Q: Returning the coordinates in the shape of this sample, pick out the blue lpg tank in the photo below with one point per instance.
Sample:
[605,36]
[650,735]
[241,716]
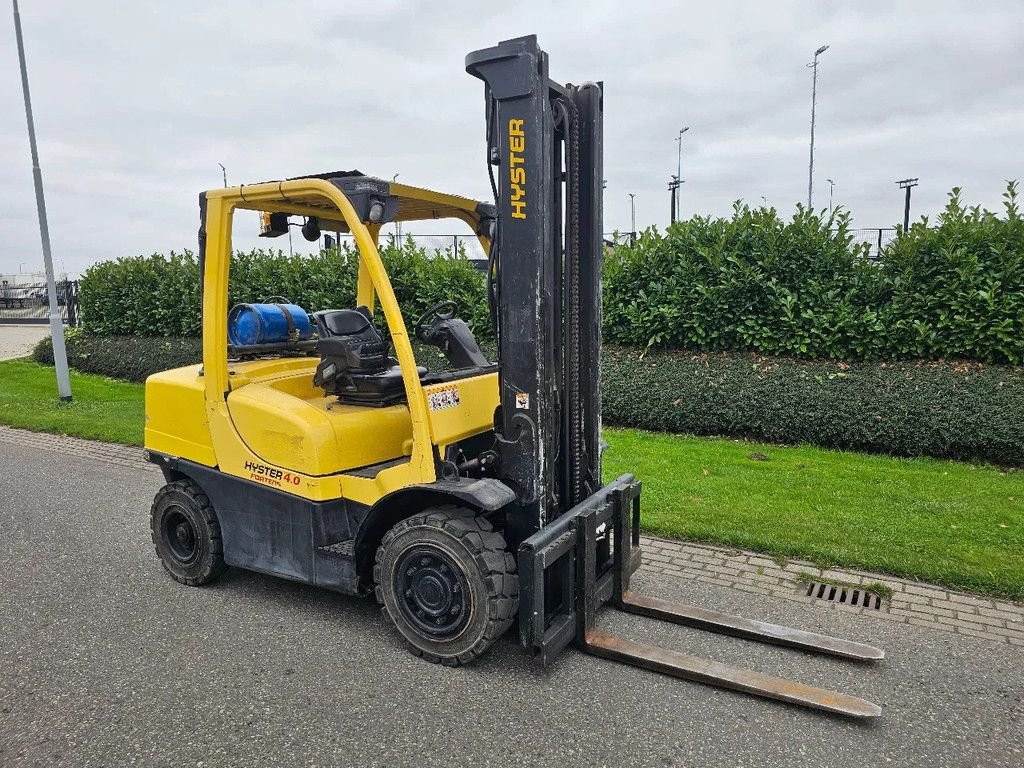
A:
[252,324]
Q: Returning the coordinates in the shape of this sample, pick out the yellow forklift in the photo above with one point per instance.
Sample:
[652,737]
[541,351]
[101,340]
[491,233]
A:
[313,447]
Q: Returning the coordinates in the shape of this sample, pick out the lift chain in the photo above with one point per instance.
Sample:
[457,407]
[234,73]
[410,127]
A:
[575,426]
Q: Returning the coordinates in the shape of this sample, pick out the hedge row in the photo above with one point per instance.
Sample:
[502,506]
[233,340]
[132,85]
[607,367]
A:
[951,410]
[131,358]
[159,296]
[963,411]
[750,282]
[754,282]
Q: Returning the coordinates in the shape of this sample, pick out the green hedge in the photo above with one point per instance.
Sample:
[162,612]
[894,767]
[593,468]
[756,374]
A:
[962,411]
[956,290]
[752,281]
[159,296]
[749,282]
[131,358]
[755,282]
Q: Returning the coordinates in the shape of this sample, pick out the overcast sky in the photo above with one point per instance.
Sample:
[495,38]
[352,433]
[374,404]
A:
[137,102]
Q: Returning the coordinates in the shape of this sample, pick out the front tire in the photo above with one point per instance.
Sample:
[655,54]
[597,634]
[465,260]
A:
[447,583]
[186,533]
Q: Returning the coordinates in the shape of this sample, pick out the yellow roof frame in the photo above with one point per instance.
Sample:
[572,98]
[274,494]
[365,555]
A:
[415,203]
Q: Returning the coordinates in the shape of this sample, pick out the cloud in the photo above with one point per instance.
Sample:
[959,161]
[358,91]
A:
[137,103]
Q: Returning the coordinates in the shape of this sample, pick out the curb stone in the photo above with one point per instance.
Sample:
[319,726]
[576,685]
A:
[1000,621]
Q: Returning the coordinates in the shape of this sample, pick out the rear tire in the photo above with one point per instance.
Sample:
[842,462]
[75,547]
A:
[447,583]
[186,533]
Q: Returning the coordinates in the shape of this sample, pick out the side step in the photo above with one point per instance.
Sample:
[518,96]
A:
[585,558]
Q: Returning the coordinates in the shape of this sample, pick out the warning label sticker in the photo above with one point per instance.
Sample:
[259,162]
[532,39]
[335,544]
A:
[522,401]
[443,397]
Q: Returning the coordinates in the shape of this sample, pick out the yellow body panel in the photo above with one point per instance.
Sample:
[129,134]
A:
[234,457]
[176,421]
[477,398]
[263,369]
[289,424]
[368,490]
[263,420]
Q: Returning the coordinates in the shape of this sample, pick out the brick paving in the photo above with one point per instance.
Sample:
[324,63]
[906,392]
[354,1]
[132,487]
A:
[911,602]
[1000,621]
[110,453]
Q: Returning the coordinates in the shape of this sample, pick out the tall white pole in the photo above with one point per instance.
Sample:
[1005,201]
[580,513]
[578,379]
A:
[679,171]
[632,216]
[814,97]
[60,355]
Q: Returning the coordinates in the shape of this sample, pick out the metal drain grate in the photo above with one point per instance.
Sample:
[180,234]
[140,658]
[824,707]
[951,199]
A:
[835,593]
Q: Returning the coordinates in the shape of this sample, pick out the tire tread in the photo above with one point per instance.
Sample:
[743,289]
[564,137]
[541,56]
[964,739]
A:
[201,503]
[496,565]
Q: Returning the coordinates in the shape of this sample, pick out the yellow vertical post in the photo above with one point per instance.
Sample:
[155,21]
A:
[216,268]
[365,294]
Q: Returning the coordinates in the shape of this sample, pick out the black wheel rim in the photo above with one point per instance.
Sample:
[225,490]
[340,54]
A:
[432,592]
[181,536]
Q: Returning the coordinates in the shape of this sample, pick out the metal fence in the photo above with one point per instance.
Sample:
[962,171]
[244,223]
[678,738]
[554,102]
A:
[467,244]
[876,238]
[27,302]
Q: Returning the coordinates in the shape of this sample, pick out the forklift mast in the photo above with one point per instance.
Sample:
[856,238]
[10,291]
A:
[578,540]
[544,151]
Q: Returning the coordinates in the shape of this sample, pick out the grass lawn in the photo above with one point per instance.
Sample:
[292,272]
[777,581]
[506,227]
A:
[956,524]
[102,409]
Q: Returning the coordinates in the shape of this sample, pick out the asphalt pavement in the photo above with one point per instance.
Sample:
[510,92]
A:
[105,661]
[18,340]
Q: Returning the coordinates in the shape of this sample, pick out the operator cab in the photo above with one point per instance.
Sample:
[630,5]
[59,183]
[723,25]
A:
[354,361]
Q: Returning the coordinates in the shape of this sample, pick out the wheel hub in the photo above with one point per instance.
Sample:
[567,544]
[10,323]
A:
[432,592]
[181,536]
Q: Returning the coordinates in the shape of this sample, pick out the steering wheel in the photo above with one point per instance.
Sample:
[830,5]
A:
[444,310]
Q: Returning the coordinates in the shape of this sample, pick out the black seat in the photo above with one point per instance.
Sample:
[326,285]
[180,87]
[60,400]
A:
[354,362]
[343,322]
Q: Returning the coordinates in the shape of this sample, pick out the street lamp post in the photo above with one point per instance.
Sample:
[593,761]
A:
[60,357]
[679,172]
[831,186]
[632,213]
[814,97]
